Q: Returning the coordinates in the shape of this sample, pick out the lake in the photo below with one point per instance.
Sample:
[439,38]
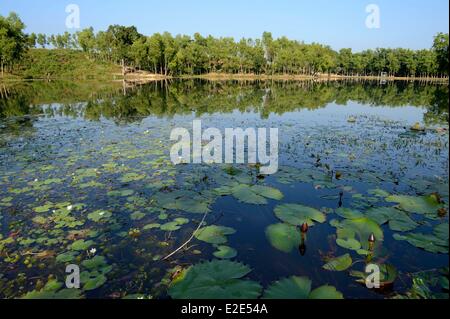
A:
[87,180]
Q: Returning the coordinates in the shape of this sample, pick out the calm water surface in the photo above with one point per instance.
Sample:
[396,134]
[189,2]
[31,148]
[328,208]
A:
[86,179]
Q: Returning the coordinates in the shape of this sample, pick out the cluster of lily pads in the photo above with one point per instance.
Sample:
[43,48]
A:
[107,198]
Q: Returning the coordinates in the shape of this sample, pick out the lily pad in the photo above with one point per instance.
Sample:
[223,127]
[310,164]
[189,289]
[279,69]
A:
[426,205]
[348,213]
[434,243]
[99,215]
[215,280]
[283,237]
[297,215]
[300,288]
[340,263]
[82,244]
[225,252]
[214,234]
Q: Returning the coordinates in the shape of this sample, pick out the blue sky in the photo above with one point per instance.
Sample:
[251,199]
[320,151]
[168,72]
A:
[339,23]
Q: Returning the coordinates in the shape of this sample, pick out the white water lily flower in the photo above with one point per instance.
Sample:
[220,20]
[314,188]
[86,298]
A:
[70,207]
[35,179]
[92,251]
[101,213]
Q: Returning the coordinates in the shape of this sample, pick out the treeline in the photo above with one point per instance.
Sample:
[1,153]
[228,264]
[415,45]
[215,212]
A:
[185,55]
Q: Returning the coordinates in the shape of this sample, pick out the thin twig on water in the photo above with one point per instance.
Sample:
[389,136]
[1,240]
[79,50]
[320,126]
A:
[189,240]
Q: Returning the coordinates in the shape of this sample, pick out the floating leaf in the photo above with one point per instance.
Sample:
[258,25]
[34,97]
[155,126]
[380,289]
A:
[225,252]
[214,234]
[82,244]
[152,226]
[215,280]
[297,215]
[435,243]
[398,219]
[137,216]
[427,205]
[99,215]
[283,237]
[299,288]
[348,213]
[339,263]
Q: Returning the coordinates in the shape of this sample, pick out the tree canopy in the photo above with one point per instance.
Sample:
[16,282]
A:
[178,55]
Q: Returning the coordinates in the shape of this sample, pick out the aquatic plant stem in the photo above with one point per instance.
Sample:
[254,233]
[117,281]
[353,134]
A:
[189,240]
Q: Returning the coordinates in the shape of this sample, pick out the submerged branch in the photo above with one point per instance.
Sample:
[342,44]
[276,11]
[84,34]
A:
[189,240]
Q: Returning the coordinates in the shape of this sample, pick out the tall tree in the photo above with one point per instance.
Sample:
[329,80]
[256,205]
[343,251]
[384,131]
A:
[440,47]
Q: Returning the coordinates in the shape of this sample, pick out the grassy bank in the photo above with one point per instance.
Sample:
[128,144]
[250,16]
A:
[62,64]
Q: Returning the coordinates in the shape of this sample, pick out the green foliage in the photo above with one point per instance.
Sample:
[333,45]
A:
[283,237]
[300,288]
[215,280]
[214,234]
[296,215]
[340,263]
[186,55]
[64,64]
[13,42]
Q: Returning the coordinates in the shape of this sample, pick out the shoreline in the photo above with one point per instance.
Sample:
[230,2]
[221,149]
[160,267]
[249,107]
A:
[143,77]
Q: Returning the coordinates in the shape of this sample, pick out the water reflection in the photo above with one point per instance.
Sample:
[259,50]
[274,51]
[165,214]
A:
[93,101]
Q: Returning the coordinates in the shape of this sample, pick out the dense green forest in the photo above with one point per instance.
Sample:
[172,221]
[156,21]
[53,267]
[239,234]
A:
[185,55]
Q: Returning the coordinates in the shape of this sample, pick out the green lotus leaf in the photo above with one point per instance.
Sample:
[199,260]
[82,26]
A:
[137,216]
[283,237]
[53,293]
[268,192]
[434,243]
[402,222]
[427,205]
[289,288]
[44,208]
[99,215]
[181,221]
[214,234]
[398,219]
[215,280]
[152,226]
[245,194]
[39,220]
[363,228]
[92,280]
[225,252]
[299,288]
[348,213]
[131,177]
[81,244]
[94,263]
[378,192]
[297,215]
[349,243]
[183,200]
[326,292]
[340,263]
[66,257]
[172,226]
